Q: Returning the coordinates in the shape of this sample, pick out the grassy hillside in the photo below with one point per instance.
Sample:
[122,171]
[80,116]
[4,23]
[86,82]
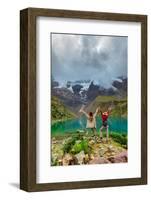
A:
[59,111]
[119,105]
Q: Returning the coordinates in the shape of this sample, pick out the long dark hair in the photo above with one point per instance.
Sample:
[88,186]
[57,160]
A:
[90,116]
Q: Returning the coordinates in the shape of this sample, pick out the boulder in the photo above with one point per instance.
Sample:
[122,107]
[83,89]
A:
[101,151]
[86,159]
[120,158]
[99,160]
[67,159]
[80,157]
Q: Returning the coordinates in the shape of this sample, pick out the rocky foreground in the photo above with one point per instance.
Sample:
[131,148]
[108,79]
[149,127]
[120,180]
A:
[79,149]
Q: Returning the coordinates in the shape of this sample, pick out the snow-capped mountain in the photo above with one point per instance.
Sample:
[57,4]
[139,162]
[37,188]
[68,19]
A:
[74,93]
[83,83]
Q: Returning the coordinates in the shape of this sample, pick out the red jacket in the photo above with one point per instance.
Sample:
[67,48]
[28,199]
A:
[105,116]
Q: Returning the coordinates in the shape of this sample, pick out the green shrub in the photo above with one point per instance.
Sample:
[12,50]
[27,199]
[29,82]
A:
[81,146]
[85,146]
[69,144]
[76,148]
[75,145]
[120,138]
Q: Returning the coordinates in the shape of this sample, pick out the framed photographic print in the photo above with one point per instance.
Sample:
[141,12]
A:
[83,99]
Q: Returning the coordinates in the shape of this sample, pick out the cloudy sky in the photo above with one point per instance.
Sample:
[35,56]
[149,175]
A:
[86,57]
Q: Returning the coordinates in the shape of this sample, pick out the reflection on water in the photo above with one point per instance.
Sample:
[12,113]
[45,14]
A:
[71,126]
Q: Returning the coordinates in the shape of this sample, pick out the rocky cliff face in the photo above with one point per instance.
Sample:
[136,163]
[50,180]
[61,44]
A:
[93,91]
[121,86]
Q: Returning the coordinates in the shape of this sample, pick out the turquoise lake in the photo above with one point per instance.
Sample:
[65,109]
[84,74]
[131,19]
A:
[70,126]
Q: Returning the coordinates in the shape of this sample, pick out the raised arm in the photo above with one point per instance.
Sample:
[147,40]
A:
[82,111]
[100,111]
[96,112]
[109,110]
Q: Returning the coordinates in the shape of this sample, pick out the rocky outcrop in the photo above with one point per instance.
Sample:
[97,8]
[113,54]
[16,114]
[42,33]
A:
[120,158]
[121,86]
[93,91]
[99,160]
[80,157]
[79,150]
[69,159]
[54,84]
[76,89]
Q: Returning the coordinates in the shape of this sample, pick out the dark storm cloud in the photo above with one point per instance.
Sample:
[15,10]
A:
[83,57]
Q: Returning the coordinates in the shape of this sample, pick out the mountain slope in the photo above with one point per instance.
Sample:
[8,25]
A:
[59,111]
[119,106]
[75,93]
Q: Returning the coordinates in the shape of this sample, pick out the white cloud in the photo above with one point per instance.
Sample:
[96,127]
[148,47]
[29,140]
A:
[83,57]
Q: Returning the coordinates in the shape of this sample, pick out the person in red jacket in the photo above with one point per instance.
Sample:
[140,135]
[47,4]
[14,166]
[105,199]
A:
[104,117]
